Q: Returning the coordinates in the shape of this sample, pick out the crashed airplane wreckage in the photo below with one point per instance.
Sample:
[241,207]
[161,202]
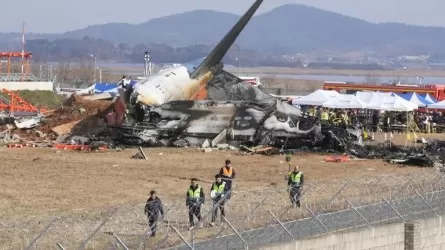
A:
[237,113]
[189,104]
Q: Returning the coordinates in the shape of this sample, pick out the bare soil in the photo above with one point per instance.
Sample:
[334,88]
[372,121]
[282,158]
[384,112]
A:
[41,181]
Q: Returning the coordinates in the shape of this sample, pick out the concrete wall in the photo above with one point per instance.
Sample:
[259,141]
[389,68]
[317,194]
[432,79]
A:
[27,85]
[426,234]
[429,234]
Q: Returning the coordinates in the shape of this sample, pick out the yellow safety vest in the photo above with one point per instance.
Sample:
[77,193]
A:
[324,116]
[296,178]
[219,189]
[311,112]
[195,194]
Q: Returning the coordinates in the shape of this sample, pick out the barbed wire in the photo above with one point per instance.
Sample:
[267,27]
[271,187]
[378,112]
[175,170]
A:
[252,217]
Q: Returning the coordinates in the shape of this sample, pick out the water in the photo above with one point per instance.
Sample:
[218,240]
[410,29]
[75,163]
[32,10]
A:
[360,79]
[137,68]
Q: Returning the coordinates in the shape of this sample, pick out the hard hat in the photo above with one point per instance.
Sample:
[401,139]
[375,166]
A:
[212,194]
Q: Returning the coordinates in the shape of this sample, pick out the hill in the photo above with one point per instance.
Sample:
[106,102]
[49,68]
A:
[288,28]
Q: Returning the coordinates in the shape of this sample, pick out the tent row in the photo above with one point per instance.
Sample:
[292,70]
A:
[368,100]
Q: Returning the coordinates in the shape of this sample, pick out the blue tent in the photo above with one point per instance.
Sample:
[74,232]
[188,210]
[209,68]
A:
[105,87]
[415,98]
[429,98]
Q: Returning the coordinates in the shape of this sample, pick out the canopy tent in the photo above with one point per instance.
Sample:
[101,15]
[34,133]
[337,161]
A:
[374,98]
[391,103]
[415,98]
[105,87]
[367,96]
[317,98]
[345,102]
[438,105]
[429,98]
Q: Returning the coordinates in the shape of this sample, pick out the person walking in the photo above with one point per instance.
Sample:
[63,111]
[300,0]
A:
[295,183]
[153,208]
[217,193]
[228,174]
[194,199]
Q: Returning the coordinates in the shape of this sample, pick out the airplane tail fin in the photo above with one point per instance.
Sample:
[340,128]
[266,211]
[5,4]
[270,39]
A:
[223,46]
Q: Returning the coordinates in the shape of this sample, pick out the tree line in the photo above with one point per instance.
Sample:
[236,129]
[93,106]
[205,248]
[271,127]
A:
[79,50]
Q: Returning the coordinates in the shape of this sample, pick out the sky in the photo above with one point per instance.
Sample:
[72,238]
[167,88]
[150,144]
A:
[56,16]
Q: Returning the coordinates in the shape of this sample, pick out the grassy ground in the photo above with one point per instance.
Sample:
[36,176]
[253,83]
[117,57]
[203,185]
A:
[41,98]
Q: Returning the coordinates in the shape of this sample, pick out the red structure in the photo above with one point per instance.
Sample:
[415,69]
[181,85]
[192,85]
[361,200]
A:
[436,91]
[9,55]
[15,103]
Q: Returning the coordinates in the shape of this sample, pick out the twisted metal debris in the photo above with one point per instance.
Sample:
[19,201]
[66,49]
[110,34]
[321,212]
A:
[253,218]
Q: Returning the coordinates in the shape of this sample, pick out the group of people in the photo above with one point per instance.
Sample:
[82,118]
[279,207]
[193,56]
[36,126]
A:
[220,192]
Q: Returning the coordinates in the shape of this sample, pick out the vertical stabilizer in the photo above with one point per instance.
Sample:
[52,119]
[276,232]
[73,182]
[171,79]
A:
[223,46]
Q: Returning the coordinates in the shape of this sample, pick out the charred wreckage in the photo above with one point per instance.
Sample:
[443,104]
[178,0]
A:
[237,113]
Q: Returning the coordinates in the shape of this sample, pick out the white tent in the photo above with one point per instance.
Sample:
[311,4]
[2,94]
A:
[437,105]
[415,99]
[392,103]
[365,95]
[429,98]
[345,102]
[317,98]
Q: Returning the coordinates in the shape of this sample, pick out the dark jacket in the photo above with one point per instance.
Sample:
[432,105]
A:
[289,180]
[190,201]
[153,207]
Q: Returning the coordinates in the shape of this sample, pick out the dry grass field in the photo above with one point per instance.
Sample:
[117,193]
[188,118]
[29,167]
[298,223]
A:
[40,181]
[82,189]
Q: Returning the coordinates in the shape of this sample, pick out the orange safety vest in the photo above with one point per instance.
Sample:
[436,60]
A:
[226,172]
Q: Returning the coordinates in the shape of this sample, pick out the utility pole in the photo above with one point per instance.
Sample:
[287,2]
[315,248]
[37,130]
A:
[23,50]
[95,66]
[239,66]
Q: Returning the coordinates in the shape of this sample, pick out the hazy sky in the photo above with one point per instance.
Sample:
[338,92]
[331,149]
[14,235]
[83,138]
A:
[64,15]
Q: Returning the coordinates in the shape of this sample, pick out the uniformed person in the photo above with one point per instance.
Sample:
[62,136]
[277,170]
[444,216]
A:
[325,116]
[228,174]
[217,193]
[194,199]
[311,111]
[295,184]
[153,210]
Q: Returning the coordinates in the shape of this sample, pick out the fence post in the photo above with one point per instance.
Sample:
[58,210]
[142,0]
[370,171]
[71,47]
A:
[182,238]
[237,233]
[281,224]
[335,195]
[361,215]
[60,246]
[316,218]
[41,234]
[398,214]
[434,210]
[85,242]
[120,241]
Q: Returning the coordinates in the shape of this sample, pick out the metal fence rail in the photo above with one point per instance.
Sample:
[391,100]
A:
[252,218]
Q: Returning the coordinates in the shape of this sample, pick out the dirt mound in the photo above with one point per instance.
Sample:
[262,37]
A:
[89,113]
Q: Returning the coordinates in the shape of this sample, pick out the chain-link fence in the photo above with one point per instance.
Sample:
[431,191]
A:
[253,218]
